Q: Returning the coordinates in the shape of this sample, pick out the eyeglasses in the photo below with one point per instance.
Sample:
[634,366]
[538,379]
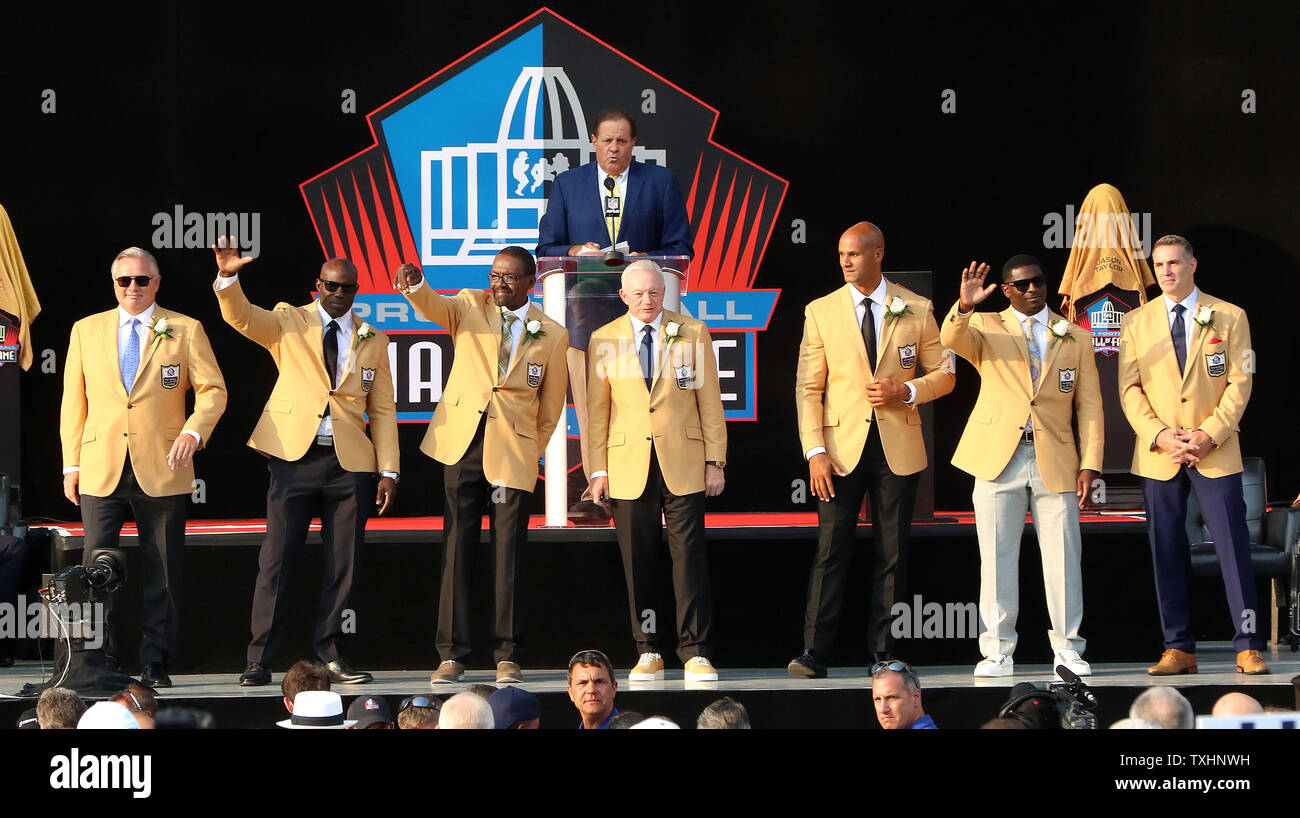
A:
[335,286]
[140,281]
[508,278]
[418,701]
[1024,284]
[893,664]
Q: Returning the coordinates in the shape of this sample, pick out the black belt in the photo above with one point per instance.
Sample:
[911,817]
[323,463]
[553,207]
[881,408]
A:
[1027,436]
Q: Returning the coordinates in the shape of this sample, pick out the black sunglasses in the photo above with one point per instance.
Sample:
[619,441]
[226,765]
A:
[1024,284]
[125,281]
[893,664]
[335,286]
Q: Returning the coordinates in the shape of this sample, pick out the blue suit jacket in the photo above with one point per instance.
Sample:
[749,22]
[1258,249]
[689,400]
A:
[655,223]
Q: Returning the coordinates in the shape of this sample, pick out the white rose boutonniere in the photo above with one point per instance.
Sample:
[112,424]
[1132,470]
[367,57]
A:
[1204,319]
[1060,331]
[160,328]
[896,308]
[533,330]
[365,332]
[671,331]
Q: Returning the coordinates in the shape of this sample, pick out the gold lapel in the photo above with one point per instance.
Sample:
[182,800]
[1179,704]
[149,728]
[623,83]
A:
[664,364]
[1054,345]
[1164,338]
[108,341]
[523,336]
[151,343]
[1009,318]
[848,314]
[491,341]
[887,324]
[1199,335]
[316,340]
[353,349]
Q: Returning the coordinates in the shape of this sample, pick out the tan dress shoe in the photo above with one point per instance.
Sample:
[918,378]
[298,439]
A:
[509,673]
[449,672]
[1173,662]
[1251,663]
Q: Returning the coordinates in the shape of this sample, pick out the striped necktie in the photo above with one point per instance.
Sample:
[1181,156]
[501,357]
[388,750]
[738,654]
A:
[1035,354]
[507,344]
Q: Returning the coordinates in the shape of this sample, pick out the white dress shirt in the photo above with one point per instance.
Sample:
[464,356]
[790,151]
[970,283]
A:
[878,305]
[637,326]
[1189,303]
[1039,327]
[345,348]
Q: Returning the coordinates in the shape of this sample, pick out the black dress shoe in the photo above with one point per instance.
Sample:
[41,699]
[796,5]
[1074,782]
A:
[807,666]
[255,676]
[154,676]
[341,674]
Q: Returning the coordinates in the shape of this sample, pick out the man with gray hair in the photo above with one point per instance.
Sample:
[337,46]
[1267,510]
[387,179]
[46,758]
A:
[896,692]
[129,444]
[724,714]
[59,709]
[1165,706]
[657,441]
[466,711]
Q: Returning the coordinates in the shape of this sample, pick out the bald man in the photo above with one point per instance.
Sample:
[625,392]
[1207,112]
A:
[1236,704]
[857,391]
[334,373]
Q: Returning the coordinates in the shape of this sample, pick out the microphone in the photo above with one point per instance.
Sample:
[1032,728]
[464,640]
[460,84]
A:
[1077,687]
[613,207]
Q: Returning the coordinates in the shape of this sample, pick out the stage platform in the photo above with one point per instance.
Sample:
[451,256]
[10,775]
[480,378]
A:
[774,699]
[575,594]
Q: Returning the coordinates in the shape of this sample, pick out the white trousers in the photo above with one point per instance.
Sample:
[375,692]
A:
[1000,507]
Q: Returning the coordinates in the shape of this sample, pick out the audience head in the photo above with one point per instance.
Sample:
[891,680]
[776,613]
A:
[481,689]
[418,713]
[592,686]
[514,708]
[142,703]
[1165,706]
[466,711]
[59,709]
[1135,724]
[317,710]
[896,691]
[655,723]
[371,713]
[302,676]
[626,720]
[1236,704]
[107,716]
[724,714]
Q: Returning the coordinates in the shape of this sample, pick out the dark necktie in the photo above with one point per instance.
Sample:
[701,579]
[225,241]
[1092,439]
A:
[332,352]
[869,332]
[647,362]
[1180,337]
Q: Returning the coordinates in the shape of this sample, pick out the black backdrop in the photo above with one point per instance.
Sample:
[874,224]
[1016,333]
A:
[229,107]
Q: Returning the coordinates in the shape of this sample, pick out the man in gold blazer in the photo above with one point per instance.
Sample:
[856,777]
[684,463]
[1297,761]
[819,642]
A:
[313,432]
[857,390]
[657,440]
[504,398]
[127,443]
[1185,373]
[1036,376]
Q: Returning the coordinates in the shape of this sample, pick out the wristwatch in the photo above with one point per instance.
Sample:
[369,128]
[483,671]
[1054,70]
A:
[394,476]
[719,463]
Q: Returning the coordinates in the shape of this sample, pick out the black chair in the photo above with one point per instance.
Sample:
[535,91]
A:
[1274,547]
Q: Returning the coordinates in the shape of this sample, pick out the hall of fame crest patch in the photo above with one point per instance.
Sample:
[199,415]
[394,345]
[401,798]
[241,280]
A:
[171,375]
[534,375]
[1067,380]
[907,356]
[1216,363]
[367,378]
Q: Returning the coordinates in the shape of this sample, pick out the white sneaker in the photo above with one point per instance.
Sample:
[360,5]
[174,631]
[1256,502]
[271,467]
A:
[649,668]
[995,665]
[699,669]
[1072,662]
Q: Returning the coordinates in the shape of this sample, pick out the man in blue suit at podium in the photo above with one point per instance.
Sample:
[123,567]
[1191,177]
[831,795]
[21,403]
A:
[651,221]
[651,212]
